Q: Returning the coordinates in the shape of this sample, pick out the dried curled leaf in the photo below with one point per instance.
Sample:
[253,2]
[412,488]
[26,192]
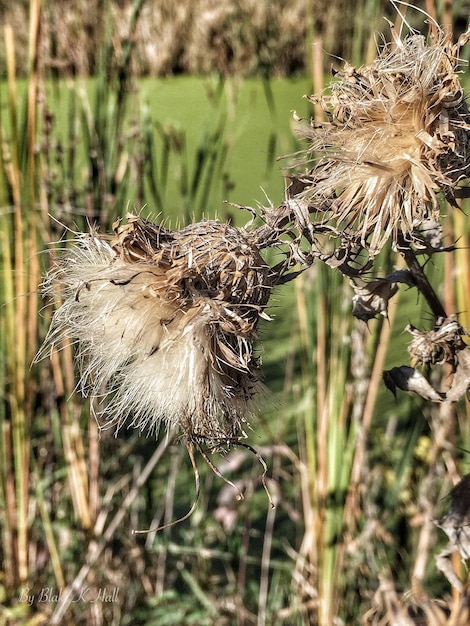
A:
[372,298]
[456,525]
[428,239]
[409,379]
[461,380]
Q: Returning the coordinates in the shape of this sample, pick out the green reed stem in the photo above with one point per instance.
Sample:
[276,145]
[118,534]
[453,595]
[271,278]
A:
[20,265]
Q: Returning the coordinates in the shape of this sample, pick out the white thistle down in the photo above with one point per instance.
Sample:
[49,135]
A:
[397,135]
[163,324]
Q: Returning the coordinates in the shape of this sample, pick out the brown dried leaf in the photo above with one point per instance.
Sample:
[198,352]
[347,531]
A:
[456,525]
[372,299]
[409,379]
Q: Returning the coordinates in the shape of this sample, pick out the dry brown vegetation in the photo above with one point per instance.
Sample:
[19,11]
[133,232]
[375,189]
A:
[202,36]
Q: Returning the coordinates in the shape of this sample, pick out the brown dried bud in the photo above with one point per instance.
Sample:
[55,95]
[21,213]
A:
[437,346]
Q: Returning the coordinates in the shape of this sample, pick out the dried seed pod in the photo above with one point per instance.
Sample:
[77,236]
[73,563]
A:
[164,324]
[398,134]
[439,345]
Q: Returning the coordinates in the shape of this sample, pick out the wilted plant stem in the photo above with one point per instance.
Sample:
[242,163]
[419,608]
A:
[17,311]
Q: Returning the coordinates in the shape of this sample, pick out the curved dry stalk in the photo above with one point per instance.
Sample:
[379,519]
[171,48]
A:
[262,462]
[216,470]
[197,479]
[195,443]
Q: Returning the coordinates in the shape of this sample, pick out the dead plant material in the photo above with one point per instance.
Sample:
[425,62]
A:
[456,525]
[164,324]
[416,608]
[437,346]
[409,379]
[444,344]
[397,136]
[165,321]
[371,298]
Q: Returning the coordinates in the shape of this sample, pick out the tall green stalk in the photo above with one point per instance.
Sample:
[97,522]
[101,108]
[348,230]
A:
[325,332]
[18,181]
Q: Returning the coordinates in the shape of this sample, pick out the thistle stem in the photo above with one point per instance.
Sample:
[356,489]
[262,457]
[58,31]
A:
[422,283]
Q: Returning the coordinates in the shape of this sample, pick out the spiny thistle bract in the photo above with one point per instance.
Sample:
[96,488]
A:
[398,133]
[164,324]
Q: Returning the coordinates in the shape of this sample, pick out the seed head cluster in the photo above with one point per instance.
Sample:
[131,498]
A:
[165,321]
[164,324]
[397,135]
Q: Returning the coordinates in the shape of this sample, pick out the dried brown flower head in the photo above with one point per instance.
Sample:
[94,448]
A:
[398,133]
[437,346]
[164,324]
[444,344]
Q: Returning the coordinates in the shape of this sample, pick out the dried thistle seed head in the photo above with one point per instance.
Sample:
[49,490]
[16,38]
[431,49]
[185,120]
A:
[164,324]
[398,134]
[439,345]
[206,259]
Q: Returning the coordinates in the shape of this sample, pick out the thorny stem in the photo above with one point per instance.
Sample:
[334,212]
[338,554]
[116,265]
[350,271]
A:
[422,283]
